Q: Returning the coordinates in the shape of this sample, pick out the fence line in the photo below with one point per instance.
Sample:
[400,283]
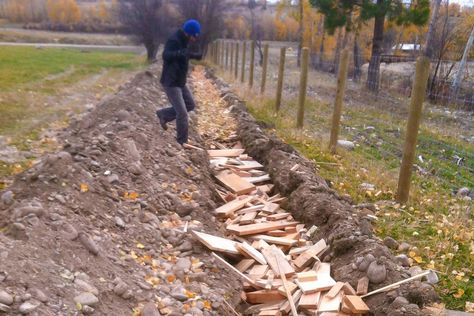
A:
[280,71]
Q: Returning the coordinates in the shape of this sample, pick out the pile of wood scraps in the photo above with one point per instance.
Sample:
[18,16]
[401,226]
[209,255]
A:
[280,268]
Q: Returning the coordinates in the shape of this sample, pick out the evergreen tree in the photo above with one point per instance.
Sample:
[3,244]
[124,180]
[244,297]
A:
[337,14]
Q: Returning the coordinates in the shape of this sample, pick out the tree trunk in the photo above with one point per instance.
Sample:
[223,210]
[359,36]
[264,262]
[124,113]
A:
[321,51]
[462,64]
[357,59]
[377,42]
[301,32]
[151,51]
[428,52]
[337,52]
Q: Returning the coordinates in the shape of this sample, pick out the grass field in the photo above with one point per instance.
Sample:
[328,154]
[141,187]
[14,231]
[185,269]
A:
[437,223]
[40,86]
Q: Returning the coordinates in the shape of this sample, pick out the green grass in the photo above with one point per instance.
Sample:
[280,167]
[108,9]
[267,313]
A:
[27,65]
[438,224]
[35,84]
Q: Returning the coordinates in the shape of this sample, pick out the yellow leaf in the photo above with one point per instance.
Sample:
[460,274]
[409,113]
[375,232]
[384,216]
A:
[170,278]
[418,259]
[79,306]
[412,254]
[459,293]
[84,187]
[140,246]
[190,294]
[207,305]
[133,254]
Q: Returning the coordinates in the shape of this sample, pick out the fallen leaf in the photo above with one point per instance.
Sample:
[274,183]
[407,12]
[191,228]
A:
[84,188]
[140,246]
[207,305]
[469,307]
[459,293]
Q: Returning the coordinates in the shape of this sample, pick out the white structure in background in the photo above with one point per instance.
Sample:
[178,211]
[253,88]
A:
[407,48]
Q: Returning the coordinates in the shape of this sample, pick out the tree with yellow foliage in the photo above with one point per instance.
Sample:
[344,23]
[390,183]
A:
[63,11]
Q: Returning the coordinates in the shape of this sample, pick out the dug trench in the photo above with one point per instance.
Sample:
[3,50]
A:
[102,227]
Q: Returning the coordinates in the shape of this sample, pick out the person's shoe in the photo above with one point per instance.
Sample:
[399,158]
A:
[162,121]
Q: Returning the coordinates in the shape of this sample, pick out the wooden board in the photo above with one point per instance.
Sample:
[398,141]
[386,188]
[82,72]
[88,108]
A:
[307,276]
[277,217]
[270,312]
[250,164]
[258,271]
[259,179]
[309,300]
[356,304]
[270,207]
[244,264]
[327,304]
[264,296]
[225,152]
[250,209]
[348,289]
[363,286]
[276,240]
[276,260]
[232,206]
[277,233]
[248,218]
[335,290]
[321,284]
[217,243]
[259,228]
[245,249]
[291,287]
[285,308]
[266,188]
[307,257]
[233,182]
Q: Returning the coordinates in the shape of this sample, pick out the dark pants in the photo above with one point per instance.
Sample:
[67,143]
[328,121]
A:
[182,102]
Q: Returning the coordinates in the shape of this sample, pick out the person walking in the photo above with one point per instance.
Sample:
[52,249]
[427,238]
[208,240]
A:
[176,58]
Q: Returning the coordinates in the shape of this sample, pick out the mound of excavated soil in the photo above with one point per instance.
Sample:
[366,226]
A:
[99,227]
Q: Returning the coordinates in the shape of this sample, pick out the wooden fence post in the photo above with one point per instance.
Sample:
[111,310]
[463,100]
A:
[338,102]
[303,84]
[414,117]
[231,58]
[252,63]
[236,68]
[226,55]
[264,68]
[244,51]
[281,69]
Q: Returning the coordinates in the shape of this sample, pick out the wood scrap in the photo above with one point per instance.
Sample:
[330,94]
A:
[248,218]
[264,296]
[259,179]
[270,312]
[258,271]
[259,228]
[356,304]
[330,304]
[307,276]
[232,206]
[233,182]
[225,152]
[307,257]
[244,264]
[275,240]
[397,284]
[335,290]
[287,289]
[189,146]
[228,265]
[362,286]
[217,243]
[277,261]
[310,300]
[245,249]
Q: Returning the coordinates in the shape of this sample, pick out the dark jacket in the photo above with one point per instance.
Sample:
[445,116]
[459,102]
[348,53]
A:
[175,60]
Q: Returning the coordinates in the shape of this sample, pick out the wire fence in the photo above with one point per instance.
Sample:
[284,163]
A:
[376,105]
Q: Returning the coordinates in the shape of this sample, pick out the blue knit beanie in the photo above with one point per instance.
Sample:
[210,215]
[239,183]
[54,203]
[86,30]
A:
[192,27]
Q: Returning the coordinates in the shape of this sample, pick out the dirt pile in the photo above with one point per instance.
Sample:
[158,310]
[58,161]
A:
[355,251]
[99,228]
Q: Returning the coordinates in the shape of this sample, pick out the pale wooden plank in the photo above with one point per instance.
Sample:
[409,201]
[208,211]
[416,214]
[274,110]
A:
[363,286]
[259,179]
[244,264]
[258,271]
[259,228]
[225,152]
[276,260]
[309,300]
[250,251]
[335,290]
[248,218]
[307,276]
[263,296]
[232,206]
[217,243]
[275,240]
[233,182]
[328,304]
[309,255]
[356,304]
